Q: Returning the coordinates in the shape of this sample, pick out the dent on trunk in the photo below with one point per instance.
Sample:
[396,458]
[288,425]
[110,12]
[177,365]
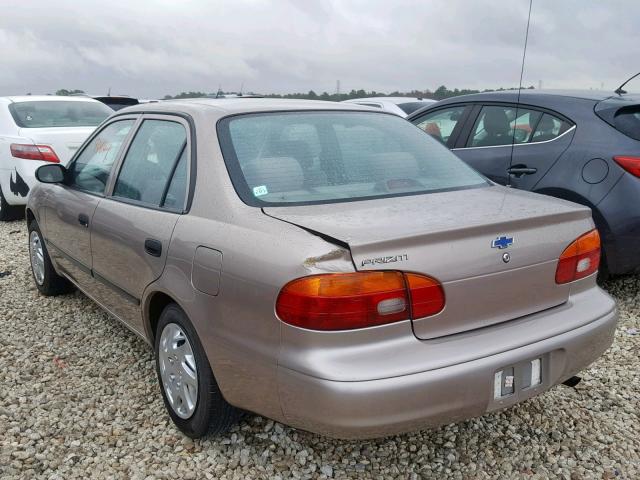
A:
[337,260]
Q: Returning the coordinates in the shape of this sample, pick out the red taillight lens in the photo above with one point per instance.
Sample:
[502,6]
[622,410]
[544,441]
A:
[630,164]
[345,301]
[43,153]
[580,259]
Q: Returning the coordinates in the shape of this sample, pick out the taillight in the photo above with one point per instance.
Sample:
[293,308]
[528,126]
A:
[630,164]
[345,301]
[580,259]
[43,153]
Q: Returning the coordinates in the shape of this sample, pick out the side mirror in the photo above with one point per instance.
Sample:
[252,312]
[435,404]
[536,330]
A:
[54,173]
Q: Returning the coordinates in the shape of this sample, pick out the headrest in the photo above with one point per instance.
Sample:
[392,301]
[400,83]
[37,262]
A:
[496,121]
[385,166]
[278,174]
[546,124]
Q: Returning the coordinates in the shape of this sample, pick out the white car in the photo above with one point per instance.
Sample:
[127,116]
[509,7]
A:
[35,130]
[401,106]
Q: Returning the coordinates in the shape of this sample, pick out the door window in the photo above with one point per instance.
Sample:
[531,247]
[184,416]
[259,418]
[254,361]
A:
[503,125]
[153,158]
[549,127]
[91,169]
[440,124]
[176,193]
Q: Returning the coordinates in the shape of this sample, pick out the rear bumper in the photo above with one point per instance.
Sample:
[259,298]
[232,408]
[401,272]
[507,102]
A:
[374,408]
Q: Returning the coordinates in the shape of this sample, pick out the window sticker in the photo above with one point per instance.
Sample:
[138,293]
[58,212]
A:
[260,191]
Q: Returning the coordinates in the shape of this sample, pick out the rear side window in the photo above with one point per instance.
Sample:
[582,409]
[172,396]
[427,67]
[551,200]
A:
[91,169]
[548,128]
[299,158]
[43,114]
[627,121]
[151,163]
[503,125]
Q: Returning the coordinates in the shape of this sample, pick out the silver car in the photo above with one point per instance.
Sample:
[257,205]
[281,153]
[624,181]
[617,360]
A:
[325,265]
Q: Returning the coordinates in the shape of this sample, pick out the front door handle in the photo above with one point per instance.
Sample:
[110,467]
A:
[520,170]
[83,220]
[153,247]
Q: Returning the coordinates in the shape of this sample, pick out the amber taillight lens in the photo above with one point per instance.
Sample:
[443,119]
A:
[345,301]
[580,259]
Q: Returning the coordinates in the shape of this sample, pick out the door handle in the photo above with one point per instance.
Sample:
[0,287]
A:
[153,247]
[520,170]
[83,220]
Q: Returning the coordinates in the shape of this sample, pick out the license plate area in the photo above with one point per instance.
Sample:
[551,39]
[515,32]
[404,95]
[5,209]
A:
[523,376]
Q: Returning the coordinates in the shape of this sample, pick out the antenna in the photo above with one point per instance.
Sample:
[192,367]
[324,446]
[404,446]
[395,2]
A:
[619,90]
[524,56]
[241,88]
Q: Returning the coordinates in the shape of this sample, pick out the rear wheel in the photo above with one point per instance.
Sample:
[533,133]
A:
[9,212]
[189,389]
[48,282]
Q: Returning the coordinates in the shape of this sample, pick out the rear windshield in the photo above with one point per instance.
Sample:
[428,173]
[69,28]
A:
[299,158]
[627,121]
[412,106]
[42,114]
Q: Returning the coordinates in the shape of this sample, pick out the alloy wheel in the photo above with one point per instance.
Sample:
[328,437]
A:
[36,253]
[178,370]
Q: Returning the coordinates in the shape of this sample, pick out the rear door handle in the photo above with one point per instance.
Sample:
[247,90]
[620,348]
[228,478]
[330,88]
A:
[83,220]
[153,247]
[520,170]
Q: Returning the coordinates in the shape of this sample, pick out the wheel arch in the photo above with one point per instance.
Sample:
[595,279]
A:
[156,302]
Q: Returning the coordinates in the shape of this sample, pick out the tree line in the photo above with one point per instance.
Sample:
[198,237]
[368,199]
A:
[439,93]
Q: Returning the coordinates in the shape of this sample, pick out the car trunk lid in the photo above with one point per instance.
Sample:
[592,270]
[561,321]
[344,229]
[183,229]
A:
[64,140]
[449,236]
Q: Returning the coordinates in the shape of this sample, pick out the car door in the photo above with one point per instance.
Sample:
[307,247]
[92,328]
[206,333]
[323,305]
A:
[533,159]
[501,142]
[133,224]
[70,207]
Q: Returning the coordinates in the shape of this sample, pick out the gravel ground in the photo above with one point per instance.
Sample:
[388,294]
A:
[79,399]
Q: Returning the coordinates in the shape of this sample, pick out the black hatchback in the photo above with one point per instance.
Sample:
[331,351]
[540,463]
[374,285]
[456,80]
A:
[582,146]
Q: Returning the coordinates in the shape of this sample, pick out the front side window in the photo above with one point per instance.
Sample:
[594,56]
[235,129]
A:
[440,124]
[335,156]
[151,161]
[503,125]
[58,113]
[91,169]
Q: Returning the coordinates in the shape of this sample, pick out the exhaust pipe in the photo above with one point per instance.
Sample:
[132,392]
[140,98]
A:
[573,381]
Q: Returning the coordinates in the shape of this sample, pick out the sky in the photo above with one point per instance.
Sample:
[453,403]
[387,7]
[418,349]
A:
[149,49]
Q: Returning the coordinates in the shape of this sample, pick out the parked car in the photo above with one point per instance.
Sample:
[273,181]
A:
[35,130]
[321,264]
[582,146]
[401,106]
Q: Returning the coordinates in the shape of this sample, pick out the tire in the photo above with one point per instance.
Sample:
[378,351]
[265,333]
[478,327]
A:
[47,281]
[195,411]
[9,212]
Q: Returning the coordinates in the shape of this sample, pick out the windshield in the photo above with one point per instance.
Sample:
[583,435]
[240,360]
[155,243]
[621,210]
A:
[412,106]
[299,158]
[43,114]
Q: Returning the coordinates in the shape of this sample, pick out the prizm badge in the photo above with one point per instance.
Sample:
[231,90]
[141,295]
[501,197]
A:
[502,242]
[383,260]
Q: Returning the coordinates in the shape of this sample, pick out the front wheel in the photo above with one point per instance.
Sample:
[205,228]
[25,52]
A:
[189,390]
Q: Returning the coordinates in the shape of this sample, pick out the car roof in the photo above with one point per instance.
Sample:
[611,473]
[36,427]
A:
[231,106]
[531,94]
[396,100]
[46,98]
